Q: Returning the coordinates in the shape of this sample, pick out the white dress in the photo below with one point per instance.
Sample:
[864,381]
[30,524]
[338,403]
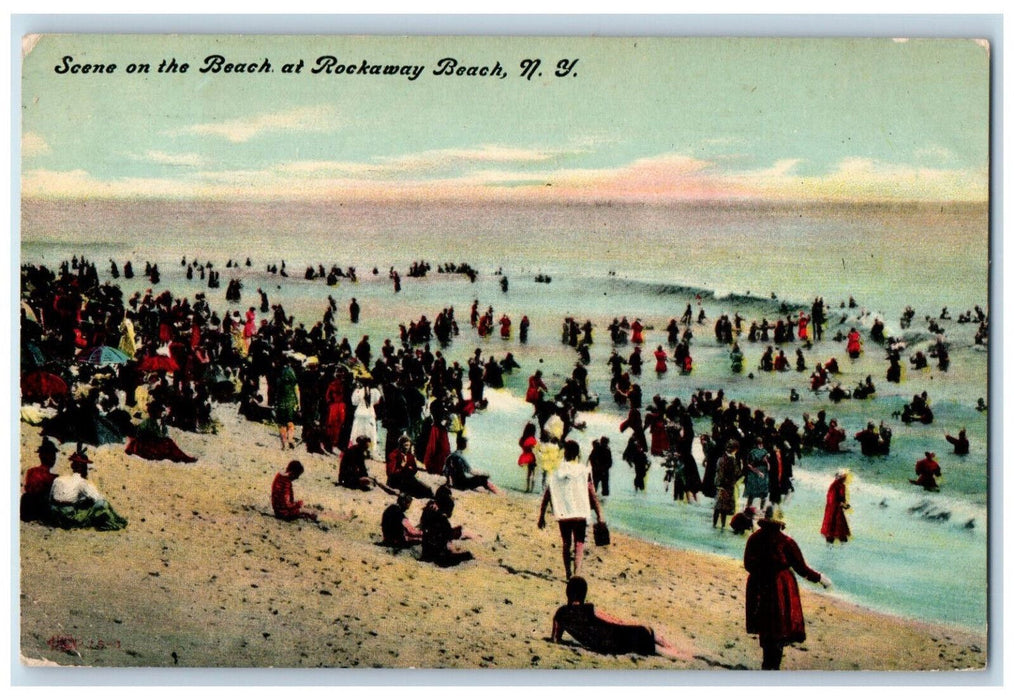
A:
[364,420]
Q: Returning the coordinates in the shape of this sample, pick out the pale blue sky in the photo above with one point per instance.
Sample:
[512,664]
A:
[638,119]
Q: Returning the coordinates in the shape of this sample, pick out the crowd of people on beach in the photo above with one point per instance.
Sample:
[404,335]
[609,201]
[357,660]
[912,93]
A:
[113,370]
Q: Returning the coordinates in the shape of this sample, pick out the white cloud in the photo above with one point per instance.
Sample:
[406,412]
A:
[80,183]
[433,161]
[780,168]
[866,179]
[324,167]
[667,177]
[194,160]
[311,119]
[443,158]
[936,153]
[33,145]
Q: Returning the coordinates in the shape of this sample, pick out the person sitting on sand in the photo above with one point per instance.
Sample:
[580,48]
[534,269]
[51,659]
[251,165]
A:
[283,502]
[151,439]
[352,472]
[459,473]
[402,470]
[395,526]
[438,534]
[601,632]
[38,483]
[76,503]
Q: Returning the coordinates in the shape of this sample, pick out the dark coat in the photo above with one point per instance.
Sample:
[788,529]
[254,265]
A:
[773,610]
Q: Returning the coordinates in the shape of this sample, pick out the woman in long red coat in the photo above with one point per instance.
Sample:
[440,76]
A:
[660,360]
[804,322]
[637,332]
[853,346]
[835,526]
[334,397]
[654,420]
[536,388]
[773,610]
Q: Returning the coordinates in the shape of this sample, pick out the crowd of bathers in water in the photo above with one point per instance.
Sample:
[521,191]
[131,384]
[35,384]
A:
[110,370]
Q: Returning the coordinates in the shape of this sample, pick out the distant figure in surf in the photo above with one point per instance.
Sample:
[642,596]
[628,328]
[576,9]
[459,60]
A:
[927,471]
[835,526]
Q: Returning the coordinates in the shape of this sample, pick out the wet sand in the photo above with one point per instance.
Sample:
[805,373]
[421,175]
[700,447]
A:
[205,576]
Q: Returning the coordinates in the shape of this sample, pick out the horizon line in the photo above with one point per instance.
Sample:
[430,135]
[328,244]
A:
[568,201]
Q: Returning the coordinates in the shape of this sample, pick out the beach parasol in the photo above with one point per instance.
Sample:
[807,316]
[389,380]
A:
[40,385]
[103,355]
[29,312]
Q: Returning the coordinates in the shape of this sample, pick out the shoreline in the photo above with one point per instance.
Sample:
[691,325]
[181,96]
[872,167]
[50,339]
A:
[237,588]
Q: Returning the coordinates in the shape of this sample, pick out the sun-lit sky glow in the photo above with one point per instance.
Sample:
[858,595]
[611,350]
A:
[649,120]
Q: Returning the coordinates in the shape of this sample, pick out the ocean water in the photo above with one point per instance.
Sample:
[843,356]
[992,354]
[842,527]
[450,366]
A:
[647,262]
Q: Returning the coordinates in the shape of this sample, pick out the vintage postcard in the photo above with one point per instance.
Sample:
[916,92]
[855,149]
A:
[504,352]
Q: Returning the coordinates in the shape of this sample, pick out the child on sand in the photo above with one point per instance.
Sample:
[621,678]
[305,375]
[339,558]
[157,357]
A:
[283,502]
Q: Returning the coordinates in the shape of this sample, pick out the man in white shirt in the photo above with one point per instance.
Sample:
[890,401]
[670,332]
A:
[573,497]
[76,503]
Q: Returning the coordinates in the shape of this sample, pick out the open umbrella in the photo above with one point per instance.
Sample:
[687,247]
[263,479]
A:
[29,312]
[40,385]
[103,355]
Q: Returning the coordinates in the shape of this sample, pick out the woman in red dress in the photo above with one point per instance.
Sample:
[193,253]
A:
[334,397]
[660,359]
[527,443]
[536,388]
[804,322]
[853,346]
[654,420]
[835,526]
[151,439]
[928,470]
[636,332]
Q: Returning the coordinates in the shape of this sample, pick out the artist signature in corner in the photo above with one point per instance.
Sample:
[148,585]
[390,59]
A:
[70,644]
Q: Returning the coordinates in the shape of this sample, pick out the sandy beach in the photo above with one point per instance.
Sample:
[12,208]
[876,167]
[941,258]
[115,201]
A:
[205,576]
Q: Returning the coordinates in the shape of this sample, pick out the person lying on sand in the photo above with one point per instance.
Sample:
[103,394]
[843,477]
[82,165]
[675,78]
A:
[604,634]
